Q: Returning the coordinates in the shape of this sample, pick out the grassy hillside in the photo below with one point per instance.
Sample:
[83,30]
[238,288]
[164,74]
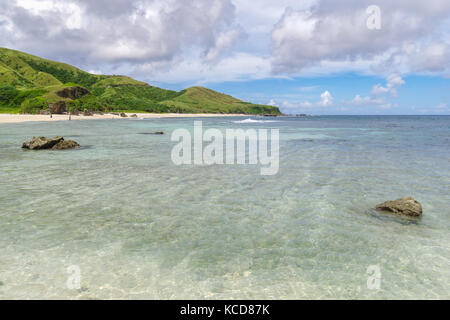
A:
[29,84]
[199,99]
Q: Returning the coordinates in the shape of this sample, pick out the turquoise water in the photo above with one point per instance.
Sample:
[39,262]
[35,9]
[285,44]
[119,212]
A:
[139,227]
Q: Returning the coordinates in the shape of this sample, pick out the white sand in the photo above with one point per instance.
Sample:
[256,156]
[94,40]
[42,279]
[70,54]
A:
[15,118]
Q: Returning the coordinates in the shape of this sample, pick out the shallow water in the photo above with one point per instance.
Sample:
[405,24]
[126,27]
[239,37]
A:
[139,227]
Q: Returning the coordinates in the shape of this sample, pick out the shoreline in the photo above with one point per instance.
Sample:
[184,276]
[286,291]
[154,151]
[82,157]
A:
[19,118]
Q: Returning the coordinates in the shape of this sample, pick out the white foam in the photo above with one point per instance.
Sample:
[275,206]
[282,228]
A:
[254,121]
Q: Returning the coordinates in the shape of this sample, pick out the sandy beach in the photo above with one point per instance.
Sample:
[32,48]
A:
[17,118]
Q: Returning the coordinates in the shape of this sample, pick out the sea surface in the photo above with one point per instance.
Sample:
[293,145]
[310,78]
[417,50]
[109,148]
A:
[136,226]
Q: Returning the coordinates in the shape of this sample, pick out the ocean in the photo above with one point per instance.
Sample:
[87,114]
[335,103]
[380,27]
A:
[123,220]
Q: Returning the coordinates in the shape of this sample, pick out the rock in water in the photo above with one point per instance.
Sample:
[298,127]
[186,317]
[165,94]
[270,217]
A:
[404,206]
[65,144]
[41,143]
[57,143]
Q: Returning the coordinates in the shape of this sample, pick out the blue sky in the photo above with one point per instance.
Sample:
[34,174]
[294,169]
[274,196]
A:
[419,95]
[304,56]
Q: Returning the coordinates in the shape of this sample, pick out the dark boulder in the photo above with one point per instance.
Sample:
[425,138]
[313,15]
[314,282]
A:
[57,108]
[133,116]
[57,143]
[123,115]
[41,143]
[404,206]
[65,144]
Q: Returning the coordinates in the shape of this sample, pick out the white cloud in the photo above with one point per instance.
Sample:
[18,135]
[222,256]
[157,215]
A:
[379,94]
[237,67]
[364,101]
[434,57]
[441,108]
[326,100]
[393,82]
[224,41]
[308,88]
[95,71]
[117,31]
[177,40]
[337,31]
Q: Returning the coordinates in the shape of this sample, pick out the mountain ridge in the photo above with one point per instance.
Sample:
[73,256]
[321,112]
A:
[30,84]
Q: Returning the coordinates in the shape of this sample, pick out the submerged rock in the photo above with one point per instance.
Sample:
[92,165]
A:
[157,132]
[57,143]
[404,206]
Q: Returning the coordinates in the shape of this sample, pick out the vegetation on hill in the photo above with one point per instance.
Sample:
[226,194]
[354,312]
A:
[29,84]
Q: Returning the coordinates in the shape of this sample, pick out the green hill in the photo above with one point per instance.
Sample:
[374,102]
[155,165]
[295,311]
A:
[29,84]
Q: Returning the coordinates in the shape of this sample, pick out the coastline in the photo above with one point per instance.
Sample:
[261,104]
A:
[18,118]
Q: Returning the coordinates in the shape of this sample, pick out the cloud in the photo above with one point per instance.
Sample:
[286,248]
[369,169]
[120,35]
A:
[441,108]
[433,57]
[364,101]
[95,71]
[195,41]
[326,100]
[379,94]
[236,67]
[117,31]
[393,82]
[224,41]
[308,88]
[337,31]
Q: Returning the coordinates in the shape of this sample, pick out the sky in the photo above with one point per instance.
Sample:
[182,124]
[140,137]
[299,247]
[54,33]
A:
[304,56]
